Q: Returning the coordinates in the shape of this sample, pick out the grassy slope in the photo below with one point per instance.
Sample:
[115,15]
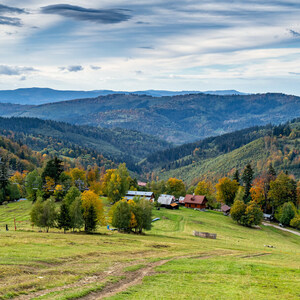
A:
[259,153]
[229,268]
[221,165]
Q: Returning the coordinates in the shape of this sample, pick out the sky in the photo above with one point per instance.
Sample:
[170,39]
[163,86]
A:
[247,45]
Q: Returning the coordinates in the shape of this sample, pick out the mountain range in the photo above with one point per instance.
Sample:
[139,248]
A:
[176,119]
[36,96]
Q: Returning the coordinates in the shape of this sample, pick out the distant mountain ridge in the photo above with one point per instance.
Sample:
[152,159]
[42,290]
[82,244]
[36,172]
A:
[176,119]
[37,96]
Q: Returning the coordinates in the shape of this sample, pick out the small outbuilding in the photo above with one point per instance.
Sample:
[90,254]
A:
[167,201]
[225,209]
[195,201]
[181,200]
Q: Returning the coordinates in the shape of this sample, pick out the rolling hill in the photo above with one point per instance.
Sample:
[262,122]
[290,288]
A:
[278,145]
[94,144]
[178,119]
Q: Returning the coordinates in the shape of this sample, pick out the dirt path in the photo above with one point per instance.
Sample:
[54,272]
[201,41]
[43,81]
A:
[131,279]
[117,268]
[281,228]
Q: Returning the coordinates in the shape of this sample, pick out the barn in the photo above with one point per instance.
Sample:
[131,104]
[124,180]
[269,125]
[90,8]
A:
[195,201]
[146,195]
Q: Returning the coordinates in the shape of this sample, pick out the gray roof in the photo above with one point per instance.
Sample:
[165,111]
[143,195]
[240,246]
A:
[138,193]
[165,199]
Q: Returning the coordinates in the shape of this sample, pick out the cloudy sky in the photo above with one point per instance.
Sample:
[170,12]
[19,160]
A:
[248,45]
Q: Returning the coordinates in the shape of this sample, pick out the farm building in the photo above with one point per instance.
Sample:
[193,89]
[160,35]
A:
[147,195]
[167,201]
[195,201]
[225,209]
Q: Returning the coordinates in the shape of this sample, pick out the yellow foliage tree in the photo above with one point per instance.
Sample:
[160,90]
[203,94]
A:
[226,190]
[89,198]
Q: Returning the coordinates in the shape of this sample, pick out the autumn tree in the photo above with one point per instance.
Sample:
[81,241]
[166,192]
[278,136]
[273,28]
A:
[89,199]
[206,188]
[175,187]
[226,190]
[116,183]
[237,210]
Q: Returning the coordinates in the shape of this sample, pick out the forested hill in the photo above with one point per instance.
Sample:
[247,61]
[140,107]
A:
[179,119]
[90,144]
[18,156]
[221,156]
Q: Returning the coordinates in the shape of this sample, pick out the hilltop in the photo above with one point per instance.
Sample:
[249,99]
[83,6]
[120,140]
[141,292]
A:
[177,119]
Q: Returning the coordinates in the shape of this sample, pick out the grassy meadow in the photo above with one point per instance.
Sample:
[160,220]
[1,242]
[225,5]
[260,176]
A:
[168,262]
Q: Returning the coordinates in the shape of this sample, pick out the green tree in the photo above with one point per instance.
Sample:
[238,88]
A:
[76,214]
[121,215]
[91,219]
[282,189]
[43,214]
[71,195]
[236,176]
[247,180]
[64,219]
[4,182]
[14,192]
[49,214]
[288,213]
[143,214]
[33,185]
[53,169]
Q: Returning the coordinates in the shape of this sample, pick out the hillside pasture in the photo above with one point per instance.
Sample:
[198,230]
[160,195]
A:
[167,262]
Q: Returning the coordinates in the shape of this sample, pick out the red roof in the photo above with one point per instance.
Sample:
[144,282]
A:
[196,199]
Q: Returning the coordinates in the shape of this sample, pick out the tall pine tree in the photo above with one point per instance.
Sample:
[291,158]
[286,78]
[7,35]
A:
[247,180]
[64,219]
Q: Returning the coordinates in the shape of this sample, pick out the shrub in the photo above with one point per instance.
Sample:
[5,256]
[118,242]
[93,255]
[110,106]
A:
[295,222]
[288,213]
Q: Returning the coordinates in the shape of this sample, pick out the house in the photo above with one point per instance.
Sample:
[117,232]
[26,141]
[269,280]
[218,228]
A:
[146,195]
[195,201]
[225,209]
[142,184]
[167,201]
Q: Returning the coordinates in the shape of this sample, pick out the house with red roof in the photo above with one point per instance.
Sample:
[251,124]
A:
[195,201]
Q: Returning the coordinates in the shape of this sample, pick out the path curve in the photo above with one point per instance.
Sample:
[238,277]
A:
[281,228]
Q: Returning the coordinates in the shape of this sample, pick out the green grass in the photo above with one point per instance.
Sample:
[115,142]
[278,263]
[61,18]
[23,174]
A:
[236,265]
